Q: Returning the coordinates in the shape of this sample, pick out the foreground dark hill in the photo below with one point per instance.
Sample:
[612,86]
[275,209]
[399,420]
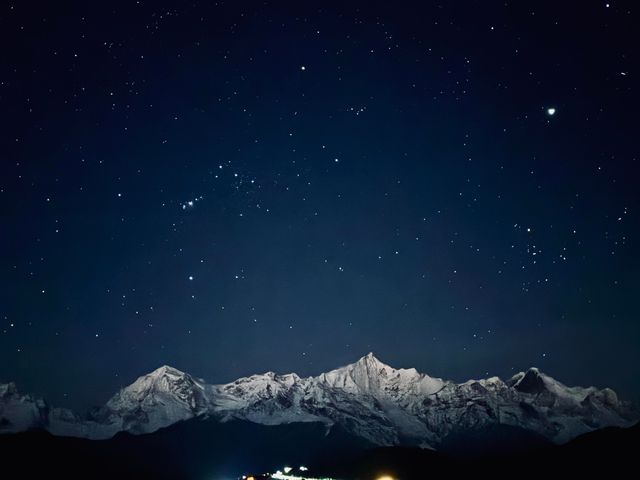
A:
[211,450]
[608,453]
[191,450]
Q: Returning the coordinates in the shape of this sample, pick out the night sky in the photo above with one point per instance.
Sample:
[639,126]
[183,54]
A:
[236,187]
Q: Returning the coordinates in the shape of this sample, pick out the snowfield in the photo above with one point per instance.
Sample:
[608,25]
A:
[368,398]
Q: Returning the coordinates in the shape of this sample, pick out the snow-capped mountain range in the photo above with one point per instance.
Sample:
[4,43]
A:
[381,404]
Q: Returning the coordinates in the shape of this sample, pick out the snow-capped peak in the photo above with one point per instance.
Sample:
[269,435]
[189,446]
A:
[164,380]
[167,370]
[370,375]
[531,381]
[371,399]
[373,365]
[535,382]
[372,359]
[158,399]
[361,376]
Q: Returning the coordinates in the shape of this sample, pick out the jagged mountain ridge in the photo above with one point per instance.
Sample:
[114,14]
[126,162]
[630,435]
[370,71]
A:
[368,398]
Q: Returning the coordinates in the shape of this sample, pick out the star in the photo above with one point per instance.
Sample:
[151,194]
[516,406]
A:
[315,184]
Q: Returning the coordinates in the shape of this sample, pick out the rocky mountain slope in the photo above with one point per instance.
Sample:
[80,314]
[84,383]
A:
[381,404]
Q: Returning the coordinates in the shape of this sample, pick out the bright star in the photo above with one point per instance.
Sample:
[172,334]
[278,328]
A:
[551,111]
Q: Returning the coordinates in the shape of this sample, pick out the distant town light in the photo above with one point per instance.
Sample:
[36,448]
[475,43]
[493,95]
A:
[286,475]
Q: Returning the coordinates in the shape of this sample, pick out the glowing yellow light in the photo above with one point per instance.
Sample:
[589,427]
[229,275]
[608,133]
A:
[385,477]
[251,478]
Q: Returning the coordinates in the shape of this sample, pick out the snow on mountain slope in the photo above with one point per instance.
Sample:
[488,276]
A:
[156,400]
[65,423]
[368,398]
[161,398]
[275,399]
[370,376]
[20,412]
[268,399]
[165,386]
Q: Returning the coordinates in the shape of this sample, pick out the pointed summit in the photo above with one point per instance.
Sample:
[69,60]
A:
[165,383]
[164,379]
[371,376]
[535,382]
[167,370]
[160,398]
[368,398]
[371,360]
[531,381]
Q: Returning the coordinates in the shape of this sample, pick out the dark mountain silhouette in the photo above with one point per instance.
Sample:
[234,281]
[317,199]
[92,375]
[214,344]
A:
[193,449]
[198,449]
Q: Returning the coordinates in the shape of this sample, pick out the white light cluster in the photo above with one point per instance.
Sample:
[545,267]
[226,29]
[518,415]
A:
[191,203]
[285,474]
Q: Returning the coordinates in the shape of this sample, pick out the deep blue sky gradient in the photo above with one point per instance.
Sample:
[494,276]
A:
[462,230]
